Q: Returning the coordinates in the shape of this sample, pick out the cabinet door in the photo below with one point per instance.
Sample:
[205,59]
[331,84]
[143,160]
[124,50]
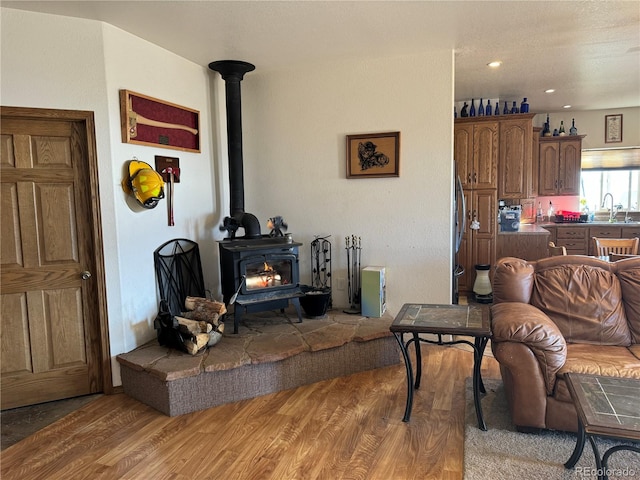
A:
[484,239]
[485,155]
[463,153]
[515,158]
[548,173]
[569,167]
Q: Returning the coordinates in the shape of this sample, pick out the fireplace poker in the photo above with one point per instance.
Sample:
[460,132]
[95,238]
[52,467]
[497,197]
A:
[233,298]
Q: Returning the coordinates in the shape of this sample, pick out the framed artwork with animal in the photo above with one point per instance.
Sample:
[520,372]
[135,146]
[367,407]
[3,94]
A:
[373,155]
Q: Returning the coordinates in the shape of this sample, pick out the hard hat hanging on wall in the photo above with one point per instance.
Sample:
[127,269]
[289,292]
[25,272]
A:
[143,183]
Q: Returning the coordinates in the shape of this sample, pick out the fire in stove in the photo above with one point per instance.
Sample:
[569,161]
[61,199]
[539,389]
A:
[265,277]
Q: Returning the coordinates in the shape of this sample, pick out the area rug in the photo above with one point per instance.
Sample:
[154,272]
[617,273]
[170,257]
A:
[504,453]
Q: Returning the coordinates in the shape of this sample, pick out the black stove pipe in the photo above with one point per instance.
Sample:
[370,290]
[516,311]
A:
[232,72]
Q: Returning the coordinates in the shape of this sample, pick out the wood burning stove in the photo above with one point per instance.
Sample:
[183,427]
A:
[264,272]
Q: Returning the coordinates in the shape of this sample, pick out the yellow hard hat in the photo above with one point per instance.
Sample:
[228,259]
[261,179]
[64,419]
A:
[144,183]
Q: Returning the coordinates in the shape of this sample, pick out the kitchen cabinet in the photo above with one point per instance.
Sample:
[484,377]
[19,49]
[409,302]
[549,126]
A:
[559,165]
[515,171]
[603,231]
[478,246]
[476,152]
[573,238]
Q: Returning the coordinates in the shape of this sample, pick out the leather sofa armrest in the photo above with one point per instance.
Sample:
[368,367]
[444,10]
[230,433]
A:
[526,324]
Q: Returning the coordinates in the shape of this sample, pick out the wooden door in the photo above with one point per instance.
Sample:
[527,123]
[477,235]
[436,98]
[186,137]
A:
[515,158]
[53,315]
[485,155]
[463,153]
[548,174]
[570,166]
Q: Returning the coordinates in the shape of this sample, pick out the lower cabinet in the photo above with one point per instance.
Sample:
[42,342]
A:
[478,246]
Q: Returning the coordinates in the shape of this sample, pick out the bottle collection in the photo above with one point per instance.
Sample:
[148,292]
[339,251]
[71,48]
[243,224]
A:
[558,132]
[485,110]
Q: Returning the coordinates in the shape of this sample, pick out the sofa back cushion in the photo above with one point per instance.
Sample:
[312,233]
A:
[584,299]
[628,272]
[512,280]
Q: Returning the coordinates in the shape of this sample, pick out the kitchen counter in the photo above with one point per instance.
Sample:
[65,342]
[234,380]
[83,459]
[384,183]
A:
[528,229]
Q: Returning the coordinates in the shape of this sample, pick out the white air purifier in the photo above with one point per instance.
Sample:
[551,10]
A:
[373,292]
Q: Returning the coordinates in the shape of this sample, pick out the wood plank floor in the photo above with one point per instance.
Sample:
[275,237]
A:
[345,428]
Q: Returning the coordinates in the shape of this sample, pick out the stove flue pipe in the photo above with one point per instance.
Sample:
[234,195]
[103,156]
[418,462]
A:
[232,72]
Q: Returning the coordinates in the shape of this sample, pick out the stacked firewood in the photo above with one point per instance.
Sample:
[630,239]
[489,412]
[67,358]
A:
[201,324]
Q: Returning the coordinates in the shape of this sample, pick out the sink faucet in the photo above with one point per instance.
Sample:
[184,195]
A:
[604,199]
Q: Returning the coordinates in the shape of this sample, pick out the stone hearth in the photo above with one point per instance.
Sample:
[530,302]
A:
[271,352]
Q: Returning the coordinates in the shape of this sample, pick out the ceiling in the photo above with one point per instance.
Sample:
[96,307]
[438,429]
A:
[588,51]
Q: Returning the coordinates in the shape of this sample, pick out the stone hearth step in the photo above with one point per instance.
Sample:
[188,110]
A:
[270,353]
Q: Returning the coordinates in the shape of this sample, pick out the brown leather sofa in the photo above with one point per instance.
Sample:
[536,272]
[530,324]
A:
[557,315]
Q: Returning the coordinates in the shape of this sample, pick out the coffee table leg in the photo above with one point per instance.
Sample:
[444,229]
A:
[607,454]
[416,339]
[409,369]
[477,382]
[481,343]
[596,454]
[577,451]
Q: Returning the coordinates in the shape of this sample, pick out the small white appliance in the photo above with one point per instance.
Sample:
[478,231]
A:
[373,292]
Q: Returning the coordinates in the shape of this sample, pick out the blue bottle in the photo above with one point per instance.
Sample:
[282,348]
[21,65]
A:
[514,109]
[472,109]
[505,110]
[487,111]
[524,106]
[496,112]
[481,109]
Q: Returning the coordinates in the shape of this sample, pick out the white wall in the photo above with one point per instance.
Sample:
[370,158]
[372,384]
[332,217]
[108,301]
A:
[591,124]
[295,127]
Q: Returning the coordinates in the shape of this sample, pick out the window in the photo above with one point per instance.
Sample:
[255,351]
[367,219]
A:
[622,184]
[615,171]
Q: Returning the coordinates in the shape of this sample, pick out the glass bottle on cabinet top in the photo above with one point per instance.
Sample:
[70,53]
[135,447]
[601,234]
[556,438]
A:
[496,112]
[487,111]
[514,109]
[561,131]
[472,109]
[524,106]
[505,110]
[481,109]
[573,130]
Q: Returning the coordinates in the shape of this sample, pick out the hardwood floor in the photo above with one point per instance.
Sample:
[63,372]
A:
[348,427]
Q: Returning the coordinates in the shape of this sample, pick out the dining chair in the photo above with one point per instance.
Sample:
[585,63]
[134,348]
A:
[607,246]
[556,251]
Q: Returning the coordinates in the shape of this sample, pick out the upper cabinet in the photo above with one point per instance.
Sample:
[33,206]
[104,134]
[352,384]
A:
[515,170]
[559,167]
[476,152]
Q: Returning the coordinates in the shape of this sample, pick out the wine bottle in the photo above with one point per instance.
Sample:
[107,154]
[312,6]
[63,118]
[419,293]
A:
[514,109]
[562,132]
[546,132]
[505,110]
[481,109]
[573,130]
[487,110]
[496,112]
[472,109]
[524,106]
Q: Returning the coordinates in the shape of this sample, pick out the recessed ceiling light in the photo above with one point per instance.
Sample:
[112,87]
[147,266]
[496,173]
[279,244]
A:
[566,106]
[494,64]
[550,90]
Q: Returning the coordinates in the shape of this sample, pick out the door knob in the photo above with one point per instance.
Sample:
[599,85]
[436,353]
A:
[86,275]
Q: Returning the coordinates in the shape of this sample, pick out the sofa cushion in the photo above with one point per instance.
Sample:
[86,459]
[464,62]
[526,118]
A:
[607,361]
[629,275]
[584,301]
[513,280]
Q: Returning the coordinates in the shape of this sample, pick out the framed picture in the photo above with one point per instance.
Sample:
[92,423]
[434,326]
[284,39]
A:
[373,155]
[613,128]
[148,121]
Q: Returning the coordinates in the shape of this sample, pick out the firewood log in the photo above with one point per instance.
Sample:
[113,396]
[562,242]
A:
[205,305]
[192,326]
[198,342]
[203,317]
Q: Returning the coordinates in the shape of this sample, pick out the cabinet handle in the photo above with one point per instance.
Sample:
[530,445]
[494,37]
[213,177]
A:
[560,183]
[556,183]
[475,177]
[469,177]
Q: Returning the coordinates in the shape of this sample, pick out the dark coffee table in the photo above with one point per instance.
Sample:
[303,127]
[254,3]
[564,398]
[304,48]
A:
[470,321]
[607,407]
